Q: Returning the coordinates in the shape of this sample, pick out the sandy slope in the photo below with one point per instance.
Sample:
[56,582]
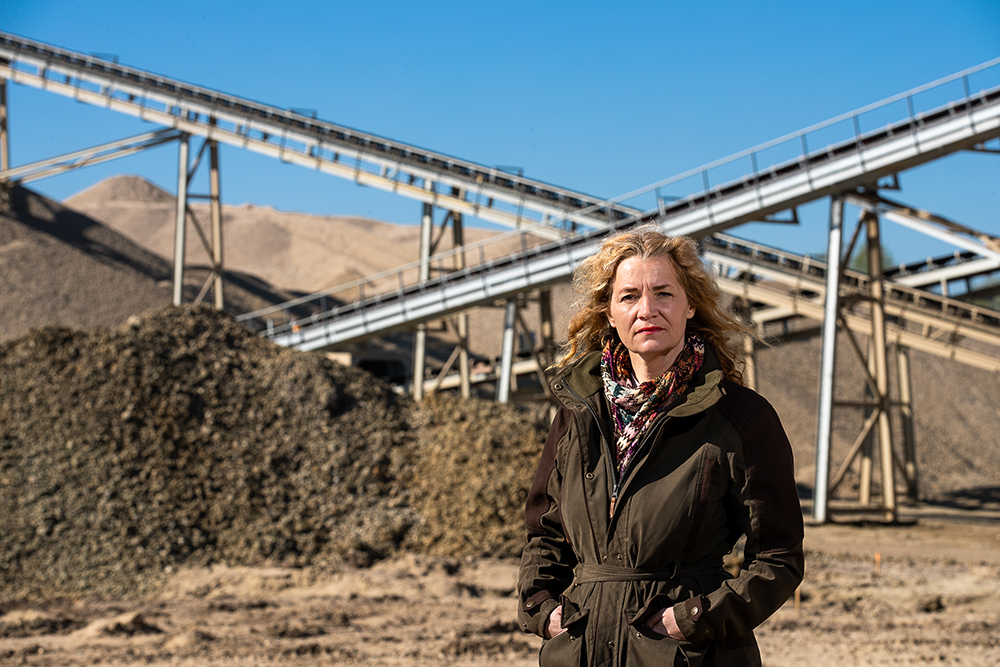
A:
[291,250]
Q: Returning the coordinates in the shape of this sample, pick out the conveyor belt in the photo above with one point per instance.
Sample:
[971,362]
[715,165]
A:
[838,168]
[487,192]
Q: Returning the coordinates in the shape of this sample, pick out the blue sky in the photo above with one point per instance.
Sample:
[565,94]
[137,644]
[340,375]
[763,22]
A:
[594,96]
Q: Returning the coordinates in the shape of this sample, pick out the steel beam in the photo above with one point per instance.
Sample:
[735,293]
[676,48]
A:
[87,157]
[828,362]
[462,320]
[420,340]
[180,220]
[931,225]
[215,195]
[910,471]
[507,354]
[872,414]
[881,368]
[4,146]
[291,137]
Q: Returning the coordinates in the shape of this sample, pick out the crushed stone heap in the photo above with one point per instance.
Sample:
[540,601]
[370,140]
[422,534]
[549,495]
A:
[181,439]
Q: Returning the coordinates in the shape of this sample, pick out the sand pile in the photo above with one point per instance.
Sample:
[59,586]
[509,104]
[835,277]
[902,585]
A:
[295,251]
[181,439]
[61,267]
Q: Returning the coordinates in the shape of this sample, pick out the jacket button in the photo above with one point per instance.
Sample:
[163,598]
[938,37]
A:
[529,604]
[694,611]
[590,475]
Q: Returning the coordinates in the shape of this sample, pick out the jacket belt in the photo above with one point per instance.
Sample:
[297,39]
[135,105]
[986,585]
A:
[587,573]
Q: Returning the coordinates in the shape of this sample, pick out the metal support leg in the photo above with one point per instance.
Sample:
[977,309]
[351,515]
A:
[464,367]
[881,369]
[4,145]
[180,220]
[548,331]
[216,203]
[820,499]
[420,342]
[507,357]
[868,448]
[419,357]
[906,410]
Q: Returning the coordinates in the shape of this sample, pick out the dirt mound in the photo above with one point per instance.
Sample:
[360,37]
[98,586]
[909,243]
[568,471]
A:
[134,189]
[181,439]
[296,251]
[59,267]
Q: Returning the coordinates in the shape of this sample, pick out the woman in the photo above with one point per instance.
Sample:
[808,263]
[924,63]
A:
[657,462]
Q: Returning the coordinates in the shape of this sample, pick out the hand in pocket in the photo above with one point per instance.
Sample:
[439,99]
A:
[554,625]
[664,623]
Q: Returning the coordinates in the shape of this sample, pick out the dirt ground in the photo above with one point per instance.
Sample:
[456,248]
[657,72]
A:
[925,593]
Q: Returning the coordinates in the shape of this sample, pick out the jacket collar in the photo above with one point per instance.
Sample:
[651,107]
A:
[584,379]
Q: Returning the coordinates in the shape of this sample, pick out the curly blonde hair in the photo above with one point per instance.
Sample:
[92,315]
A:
[594,278]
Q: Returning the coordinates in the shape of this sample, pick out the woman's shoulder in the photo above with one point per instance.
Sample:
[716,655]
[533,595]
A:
[741,405]
[583,374]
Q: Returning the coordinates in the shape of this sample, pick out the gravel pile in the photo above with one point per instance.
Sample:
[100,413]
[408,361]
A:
[474,462]
[181,439]
[62,268]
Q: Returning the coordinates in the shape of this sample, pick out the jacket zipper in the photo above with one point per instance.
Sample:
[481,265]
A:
[616,483]
[657,423]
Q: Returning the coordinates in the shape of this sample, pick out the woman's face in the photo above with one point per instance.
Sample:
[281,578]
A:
[649,309]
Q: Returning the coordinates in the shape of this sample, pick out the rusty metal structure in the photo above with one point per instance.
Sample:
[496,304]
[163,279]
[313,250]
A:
[556,227]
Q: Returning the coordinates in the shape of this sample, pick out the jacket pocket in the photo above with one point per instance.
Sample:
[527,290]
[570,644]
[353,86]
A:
[567,648]
[653,605]
[646,647]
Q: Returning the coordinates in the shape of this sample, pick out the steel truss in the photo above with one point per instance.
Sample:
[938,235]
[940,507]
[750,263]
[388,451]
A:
[213,246]
[489,193]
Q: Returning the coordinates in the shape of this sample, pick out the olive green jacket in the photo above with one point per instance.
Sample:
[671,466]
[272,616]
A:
[715,467]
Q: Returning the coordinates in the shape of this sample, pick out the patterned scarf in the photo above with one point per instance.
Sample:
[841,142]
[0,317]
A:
[634,408]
